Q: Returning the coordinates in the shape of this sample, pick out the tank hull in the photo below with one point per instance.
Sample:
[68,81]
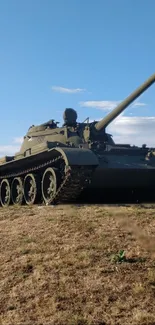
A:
[78,170]
[120,168]
[114,178]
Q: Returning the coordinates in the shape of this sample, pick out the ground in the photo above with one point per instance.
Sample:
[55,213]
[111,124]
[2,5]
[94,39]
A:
[77,265]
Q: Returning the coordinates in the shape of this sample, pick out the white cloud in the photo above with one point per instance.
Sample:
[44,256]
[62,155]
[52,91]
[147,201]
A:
[106,105]
[137,104]
[133,130]
[103,104]
[67,90]
[18,140]
[11,149]
[8,150]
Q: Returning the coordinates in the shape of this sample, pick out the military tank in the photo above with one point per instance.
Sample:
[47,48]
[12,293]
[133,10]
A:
[55,164]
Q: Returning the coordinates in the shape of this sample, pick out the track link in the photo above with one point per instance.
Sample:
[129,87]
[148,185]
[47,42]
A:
[75,181]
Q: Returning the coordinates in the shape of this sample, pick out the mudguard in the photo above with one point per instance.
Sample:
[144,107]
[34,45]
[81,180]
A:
[77,156]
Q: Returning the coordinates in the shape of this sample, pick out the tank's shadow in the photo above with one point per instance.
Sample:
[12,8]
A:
[123,196]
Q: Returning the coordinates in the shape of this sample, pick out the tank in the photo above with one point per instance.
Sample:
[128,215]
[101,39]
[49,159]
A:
[55,164]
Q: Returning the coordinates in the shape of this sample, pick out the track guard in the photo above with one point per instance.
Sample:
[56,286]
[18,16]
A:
[77,156]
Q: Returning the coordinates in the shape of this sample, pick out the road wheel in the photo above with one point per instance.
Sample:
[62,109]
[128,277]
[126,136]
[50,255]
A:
[5,193]
[50,184]
[31,189]
[17,194]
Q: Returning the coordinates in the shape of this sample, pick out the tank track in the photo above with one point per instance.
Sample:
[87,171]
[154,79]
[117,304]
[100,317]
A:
[75,180]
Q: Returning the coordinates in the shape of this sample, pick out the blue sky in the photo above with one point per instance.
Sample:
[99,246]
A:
[61,53]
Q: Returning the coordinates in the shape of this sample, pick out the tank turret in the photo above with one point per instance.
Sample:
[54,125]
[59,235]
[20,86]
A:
[125,103]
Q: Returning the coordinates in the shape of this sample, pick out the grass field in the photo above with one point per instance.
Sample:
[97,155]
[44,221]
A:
[77,265]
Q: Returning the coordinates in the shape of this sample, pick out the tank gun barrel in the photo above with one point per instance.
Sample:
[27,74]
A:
[125,103]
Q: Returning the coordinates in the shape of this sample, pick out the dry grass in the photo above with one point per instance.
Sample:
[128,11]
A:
[57,267]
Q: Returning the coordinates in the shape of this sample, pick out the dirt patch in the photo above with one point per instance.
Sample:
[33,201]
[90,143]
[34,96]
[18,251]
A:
[77,265]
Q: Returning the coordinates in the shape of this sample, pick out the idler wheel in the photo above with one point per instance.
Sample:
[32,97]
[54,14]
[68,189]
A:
[17,194]
[50,183]
[31,189]
[5,193]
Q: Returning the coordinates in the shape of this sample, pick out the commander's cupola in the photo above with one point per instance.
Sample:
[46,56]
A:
[70,117]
